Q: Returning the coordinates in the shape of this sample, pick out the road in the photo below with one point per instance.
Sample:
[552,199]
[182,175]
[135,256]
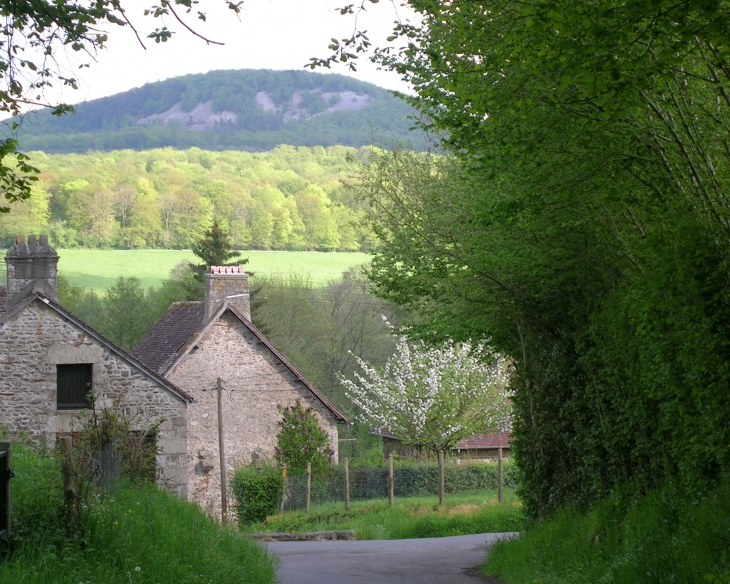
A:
[442,560]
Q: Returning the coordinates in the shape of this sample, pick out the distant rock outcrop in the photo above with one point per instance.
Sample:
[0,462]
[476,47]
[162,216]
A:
[199,119]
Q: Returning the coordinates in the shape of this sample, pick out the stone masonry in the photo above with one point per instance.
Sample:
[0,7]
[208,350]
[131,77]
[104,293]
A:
[255,382]
[37,334]
[35,340]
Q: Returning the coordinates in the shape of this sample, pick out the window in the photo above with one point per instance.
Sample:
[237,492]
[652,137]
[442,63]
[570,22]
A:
[73,383]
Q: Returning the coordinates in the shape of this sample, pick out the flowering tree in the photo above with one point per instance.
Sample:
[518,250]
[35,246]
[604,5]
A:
[434,396]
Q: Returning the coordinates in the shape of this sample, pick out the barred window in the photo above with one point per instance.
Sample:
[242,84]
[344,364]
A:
[73,383]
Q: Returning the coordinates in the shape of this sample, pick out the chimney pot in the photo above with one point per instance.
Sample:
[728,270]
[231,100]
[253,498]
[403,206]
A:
[44,240]
[226,284]
[30,269]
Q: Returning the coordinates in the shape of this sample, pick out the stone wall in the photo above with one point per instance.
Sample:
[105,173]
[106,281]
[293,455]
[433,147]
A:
[255,383]
[37,339]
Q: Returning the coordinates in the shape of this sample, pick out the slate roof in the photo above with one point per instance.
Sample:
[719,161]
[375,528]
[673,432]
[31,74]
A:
[101,339]
[167,339]
[181,328]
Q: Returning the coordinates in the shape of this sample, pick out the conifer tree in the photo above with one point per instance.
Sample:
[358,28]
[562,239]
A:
[215,249]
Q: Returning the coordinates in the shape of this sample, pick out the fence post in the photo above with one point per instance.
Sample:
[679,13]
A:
[5,476]
[391,480]
[500,473]
[441,478]
[283,488]
[70,489]
[309,484]
[347,485]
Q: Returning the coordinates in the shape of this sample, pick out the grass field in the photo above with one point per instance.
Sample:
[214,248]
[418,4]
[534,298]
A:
[411,517]
[99,269]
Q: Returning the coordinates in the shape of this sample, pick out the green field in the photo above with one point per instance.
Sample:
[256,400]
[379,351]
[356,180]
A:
[99,269]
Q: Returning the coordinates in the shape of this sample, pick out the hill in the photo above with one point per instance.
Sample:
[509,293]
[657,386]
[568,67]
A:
[253,110]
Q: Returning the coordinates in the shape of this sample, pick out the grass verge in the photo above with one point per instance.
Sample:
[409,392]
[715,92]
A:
[412,517]
[138,535]
[662,538]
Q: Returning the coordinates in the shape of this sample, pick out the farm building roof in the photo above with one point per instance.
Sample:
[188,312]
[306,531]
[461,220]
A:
[474,442]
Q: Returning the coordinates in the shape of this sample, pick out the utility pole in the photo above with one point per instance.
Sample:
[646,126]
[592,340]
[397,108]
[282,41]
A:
[221,449]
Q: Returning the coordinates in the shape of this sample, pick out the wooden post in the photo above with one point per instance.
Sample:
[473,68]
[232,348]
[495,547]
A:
[5,475]
[500,475]
[309,484]
[391,481]
[347,485]
[441,478]
[222,451]
[70,488]
[283,488]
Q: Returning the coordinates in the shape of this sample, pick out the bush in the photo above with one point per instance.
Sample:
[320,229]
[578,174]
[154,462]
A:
[257,490]
[301,441]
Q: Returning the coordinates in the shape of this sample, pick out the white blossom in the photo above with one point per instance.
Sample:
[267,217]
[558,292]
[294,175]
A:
[434,396]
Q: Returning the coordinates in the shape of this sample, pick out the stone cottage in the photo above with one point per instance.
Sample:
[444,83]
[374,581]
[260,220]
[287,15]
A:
[50,361]
[196,343]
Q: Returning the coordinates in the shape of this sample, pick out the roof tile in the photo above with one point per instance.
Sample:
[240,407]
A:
[479,441]
[167,339]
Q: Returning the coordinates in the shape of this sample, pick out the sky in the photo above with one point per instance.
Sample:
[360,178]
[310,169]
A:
[268,34]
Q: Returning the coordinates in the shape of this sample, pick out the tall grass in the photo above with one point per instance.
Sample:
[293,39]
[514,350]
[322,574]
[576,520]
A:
[135,535]
[412,517]
[663,538]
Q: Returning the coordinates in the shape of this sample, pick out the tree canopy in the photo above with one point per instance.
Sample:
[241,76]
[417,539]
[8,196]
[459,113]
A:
[215,249]
[581,221]
[432,397]
[33,33]
[286,199]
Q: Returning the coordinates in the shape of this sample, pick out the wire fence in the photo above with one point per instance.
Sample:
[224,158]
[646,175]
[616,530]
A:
[413,480]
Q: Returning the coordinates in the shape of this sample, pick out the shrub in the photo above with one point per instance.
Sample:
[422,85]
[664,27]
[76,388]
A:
[257,490]
[301,441]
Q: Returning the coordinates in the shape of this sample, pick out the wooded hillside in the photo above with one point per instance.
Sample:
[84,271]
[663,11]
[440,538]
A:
[289,198]
[252,110]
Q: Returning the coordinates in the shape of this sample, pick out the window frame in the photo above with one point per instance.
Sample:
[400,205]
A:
[84,373]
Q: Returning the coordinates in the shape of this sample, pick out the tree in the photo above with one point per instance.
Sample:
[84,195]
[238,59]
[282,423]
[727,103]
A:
[434,396]
[126,312]
[33,32]
[581,222]
[215,250]
[301,441]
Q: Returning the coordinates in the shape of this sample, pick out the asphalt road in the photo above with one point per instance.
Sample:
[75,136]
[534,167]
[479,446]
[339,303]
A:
[442,560]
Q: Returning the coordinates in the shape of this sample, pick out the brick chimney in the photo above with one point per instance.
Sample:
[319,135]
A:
[32,268]
[227,283]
